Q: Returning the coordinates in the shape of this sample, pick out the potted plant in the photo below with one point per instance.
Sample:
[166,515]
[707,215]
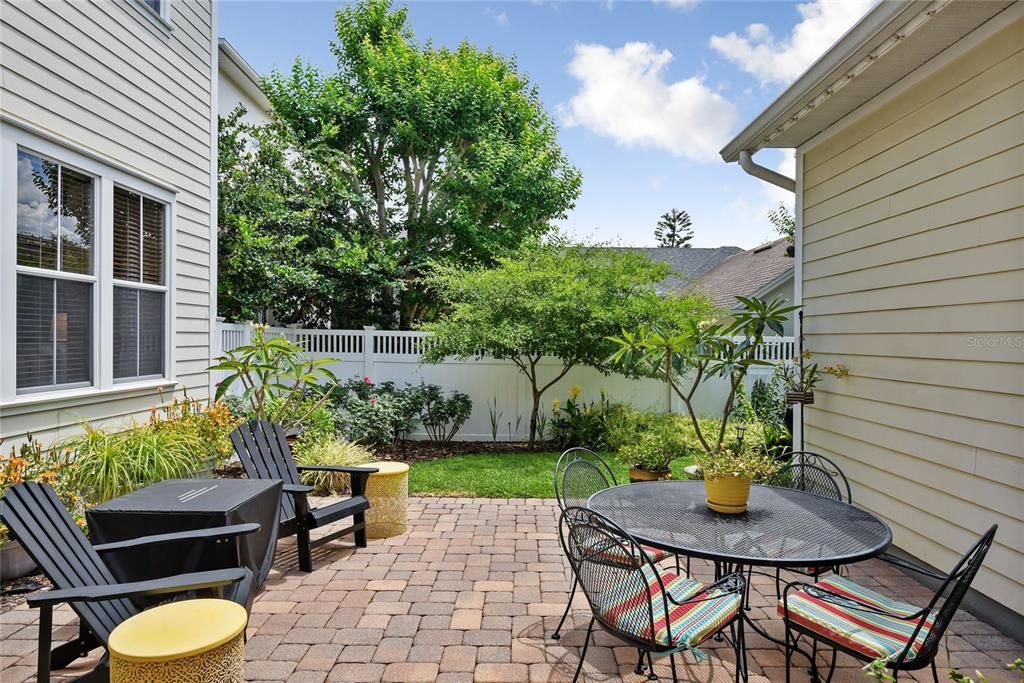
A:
[801,376]
[729,472]
[650,456]
[31,462]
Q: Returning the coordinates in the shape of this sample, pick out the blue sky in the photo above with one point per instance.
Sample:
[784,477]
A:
[645,93]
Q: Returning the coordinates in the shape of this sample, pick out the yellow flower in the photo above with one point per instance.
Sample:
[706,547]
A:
[554,405]
[575,391]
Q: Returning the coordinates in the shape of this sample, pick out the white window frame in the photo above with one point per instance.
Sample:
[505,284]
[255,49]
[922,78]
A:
[141,286]
[162,18]
[13,138]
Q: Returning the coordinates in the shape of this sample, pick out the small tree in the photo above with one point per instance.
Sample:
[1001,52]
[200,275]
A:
[674,229]
[686,355]
[556,300]
[784,222]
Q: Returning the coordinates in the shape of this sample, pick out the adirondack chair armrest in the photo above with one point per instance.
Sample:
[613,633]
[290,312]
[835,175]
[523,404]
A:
[170,584]
[297,489]
[221,532]
[359,475]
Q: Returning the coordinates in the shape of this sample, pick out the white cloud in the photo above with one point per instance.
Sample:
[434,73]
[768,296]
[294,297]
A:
[758,52]
[677,4]
[500,18]
[624,95]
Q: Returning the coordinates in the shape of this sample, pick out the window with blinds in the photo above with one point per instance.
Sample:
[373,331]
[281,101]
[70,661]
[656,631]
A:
[54,257]
[139,292]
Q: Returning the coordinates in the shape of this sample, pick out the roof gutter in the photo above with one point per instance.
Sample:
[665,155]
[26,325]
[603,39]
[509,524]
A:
[747,163]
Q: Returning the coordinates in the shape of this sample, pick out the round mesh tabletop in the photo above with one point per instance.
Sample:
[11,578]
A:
[781,527]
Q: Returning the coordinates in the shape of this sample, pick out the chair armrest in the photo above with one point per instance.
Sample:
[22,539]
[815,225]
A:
[345,469]
[297,489]
[732,583]
[231,531]
[845,601]
[170,584]
[904,564]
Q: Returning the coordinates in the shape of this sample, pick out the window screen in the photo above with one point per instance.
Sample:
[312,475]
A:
[54,332]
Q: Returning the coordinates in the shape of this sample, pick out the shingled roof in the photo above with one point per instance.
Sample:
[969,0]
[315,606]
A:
[745,273]
[687,264]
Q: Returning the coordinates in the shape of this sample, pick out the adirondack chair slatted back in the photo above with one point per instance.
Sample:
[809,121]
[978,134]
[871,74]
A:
[264,452]
[40,522]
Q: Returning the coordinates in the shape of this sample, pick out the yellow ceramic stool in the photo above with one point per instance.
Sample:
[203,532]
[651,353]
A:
[193,641]
[388,493]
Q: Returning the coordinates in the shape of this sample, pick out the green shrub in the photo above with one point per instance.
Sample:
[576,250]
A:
[329,451]
[768,399]
[210,423]
[108,464]
[579,423]
[442,417]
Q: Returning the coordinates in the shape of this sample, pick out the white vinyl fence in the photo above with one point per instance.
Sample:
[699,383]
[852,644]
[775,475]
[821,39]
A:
[384,355]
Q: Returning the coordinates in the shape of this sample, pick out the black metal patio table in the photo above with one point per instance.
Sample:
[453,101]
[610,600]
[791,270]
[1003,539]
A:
[781,527]
[188,504]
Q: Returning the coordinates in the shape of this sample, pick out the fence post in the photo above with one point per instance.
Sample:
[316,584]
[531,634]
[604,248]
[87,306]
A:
[368,331]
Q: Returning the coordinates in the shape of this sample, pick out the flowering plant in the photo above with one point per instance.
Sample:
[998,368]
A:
[31,462]
[744,459]
[210,421]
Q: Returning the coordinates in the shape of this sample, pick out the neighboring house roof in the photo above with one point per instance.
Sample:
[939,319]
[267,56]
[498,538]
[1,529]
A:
[234,66]
[748,273]
[687,264]
[890,42]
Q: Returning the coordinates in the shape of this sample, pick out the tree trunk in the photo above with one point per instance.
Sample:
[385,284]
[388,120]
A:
[534,413]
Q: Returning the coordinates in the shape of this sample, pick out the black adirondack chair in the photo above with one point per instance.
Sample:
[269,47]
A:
[36,518]
[264,452]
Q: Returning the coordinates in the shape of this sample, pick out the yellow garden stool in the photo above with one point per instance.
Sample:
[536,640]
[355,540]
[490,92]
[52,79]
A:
[193,641]
[388,492]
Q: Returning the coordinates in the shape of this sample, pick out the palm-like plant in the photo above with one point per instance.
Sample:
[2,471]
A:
[686,357]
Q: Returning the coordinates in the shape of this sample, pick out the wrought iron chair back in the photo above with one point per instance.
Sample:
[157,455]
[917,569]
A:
[827,464]
[608,564]
[803,477]
[954,587]
[579,474]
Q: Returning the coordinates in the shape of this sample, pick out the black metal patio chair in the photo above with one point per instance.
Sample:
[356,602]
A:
[656,611]
[579,474]
[828,465]
[868,625]
[38,519]
[803,476]
[263,450]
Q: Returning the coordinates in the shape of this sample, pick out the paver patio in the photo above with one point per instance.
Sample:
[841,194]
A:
[471,593]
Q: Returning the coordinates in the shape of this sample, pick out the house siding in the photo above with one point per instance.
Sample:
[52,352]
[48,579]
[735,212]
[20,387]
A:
[108,80]
[913,277]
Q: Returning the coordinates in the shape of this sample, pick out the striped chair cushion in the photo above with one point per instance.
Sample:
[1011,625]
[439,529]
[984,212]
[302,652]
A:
[872,635]
[656,554]
[615,553]
[691,623]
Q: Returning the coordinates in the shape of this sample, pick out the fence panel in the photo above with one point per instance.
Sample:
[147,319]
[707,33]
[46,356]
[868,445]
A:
[496,387]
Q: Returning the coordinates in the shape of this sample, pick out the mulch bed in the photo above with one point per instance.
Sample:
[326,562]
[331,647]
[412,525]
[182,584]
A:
[422,451]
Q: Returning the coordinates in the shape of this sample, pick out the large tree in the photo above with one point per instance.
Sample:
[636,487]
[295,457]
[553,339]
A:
[449,152]
[558,300]
[286,245]
[674,229]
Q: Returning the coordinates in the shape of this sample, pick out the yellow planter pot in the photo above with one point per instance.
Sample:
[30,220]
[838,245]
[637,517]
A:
[636,474]
[388,493]
[727,495]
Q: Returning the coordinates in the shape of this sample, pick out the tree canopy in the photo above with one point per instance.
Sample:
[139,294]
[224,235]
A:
[555,299]
[674,229]
[428,154]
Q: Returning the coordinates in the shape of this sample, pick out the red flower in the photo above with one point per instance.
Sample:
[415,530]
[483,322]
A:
[373,400]
[367,380]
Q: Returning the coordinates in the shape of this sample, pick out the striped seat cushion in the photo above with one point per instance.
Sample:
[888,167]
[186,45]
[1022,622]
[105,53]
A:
[656,554]
[615,553]
[870,634]
[629,610]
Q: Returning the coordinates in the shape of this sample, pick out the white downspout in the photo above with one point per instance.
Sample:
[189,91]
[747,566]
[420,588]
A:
[766,174]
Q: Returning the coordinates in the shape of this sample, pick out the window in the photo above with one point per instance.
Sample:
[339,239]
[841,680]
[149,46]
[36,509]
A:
[55,225]
[86,292]
[138,285]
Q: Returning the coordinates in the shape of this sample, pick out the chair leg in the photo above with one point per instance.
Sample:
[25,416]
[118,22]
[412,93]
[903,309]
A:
[741,651]
[651,676]
[814,660]
[672,661]
[789,653]
[572,593]
[583,654]
[360,520]
[935,672]
[639,668]
[832,666]
[305,554]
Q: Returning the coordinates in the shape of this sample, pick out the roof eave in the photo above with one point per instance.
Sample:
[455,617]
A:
[884,18]
[243,74]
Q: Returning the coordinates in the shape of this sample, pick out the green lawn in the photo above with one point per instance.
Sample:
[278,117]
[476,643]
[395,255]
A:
[513,475]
